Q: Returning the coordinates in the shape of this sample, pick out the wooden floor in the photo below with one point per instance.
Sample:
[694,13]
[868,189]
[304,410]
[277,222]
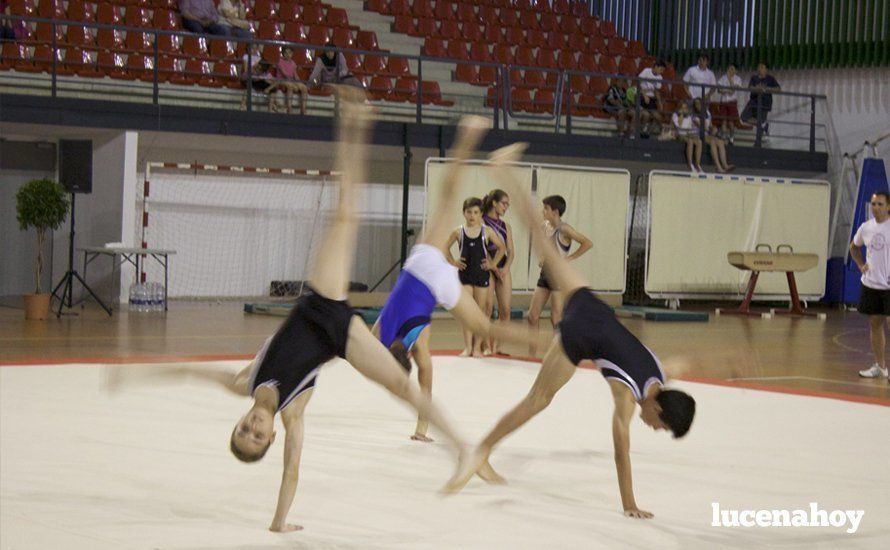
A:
[795,355]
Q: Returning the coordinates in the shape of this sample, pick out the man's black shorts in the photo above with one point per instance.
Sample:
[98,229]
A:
[873,301]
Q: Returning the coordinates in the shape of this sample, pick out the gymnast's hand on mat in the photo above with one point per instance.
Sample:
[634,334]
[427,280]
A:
[637,513]
[285,527]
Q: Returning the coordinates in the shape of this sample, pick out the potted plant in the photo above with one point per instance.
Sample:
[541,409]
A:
[41,204]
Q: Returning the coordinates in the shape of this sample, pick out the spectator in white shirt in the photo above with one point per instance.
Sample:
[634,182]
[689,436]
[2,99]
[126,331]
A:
[697,75]
[650,99]
[686,132]
[728,103]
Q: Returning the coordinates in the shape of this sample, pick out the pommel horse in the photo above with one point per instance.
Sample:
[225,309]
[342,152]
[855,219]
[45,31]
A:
[783,259]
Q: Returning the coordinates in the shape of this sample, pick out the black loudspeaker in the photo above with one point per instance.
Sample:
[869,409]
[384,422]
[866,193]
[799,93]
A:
[76,165]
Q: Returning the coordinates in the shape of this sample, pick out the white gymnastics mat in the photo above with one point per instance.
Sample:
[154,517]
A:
[148,466]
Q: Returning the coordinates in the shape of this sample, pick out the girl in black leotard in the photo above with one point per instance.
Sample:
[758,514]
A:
[474,263]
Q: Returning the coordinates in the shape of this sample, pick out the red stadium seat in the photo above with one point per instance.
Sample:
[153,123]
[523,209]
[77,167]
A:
[422,8]
[109,14]
[434,47]
[424,27]
[479,51]
[636,49]
[450,30]
[617,46]
[466,73]
[457,49]
[568,24]
[503,53]
[493,34]
[342,38]
[312,15]
[577,42]
[374,64]
[471,31]
[166,20]
[263,10]
[487,75]
[110,39]
[404,90]
[514,36]
[137,17]
[196,46]
[466,12]
[566,60]
[546,58]
[318,36]
[535,38]
[528,20]
[397,67]
[444,10]
[521,100]
[549,22]
[608,65]
[366,40]
[628,66]
[168,43]
[557,40]
[268,30]
[294,31]
[543,102]
[380,88]
[432,94]
[508,17]
[78,10]
[337,17]
[524,55]
[587,62]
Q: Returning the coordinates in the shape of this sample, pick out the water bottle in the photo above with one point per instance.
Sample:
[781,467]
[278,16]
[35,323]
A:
[162,302]
[157,297]
[140,298]
[143,299]
[133,298]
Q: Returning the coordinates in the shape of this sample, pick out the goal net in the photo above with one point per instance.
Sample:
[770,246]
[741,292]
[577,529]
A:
[235,230]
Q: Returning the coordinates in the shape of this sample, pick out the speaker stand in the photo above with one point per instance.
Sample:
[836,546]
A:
[67,282]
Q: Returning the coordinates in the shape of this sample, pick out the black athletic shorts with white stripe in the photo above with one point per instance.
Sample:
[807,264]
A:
[589,330]
[315,332]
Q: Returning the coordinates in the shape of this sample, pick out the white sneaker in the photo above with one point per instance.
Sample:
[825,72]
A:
[874,372]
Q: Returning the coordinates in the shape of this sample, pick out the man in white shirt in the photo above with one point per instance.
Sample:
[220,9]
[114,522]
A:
[697,75]
[874,235]
[728,103]
[650,98]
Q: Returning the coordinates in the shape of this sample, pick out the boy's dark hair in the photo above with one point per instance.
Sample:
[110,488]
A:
[704,56]
[397,349]
[677,410]
[884,194]
[556,202]
[471,202]
[246,457]
[660,63]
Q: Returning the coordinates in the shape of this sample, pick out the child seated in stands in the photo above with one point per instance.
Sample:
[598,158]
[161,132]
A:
[712,137]
[685,131]
[258,70]
[287,80]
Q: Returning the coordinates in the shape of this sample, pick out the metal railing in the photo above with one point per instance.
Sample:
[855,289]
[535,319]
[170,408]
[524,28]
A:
[502,106]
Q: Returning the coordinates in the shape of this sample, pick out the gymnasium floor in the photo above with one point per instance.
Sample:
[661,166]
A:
[143,462]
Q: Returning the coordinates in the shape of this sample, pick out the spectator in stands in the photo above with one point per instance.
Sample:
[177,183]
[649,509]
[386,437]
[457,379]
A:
[760,102]
[258,69]
[615,103]
[330,68]
[287,81]
[696,76]
[650,99]
[714,141]
[233,16]
[201,17]
[11,30]
[728,105]
[686,132]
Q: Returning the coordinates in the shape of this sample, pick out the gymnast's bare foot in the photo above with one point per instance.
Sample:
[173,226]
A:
[468,464]
[285,527]
[487,473]
[464,353]
[422,437]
